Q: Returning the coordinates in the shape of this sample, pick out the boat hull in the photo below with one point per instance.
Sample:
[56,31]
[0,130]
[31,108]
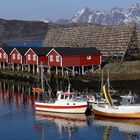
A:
[77,109]
[119,112]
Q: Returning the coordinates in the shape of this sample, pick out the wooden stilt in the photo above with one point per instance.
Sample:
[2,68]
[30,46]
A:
[73,70]
[92,69]
[83,72]
[62,71]
[29,68]
[33,69]
[3,65]
[79,71]
[37,68]
[56,72]
[22,67]
[49,69]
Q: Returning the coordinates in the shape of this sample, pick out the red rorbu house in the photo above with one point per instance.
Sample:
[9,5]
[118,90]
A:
[16,57]
[36,56]
[80,59]
[4,56]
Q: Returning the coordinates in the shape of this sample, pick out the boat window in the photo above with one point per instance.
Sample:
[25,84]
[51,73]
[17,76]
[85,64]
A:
[129,100]
[73,103]
[67,103]
[66,96]
[62,96]
[70,96]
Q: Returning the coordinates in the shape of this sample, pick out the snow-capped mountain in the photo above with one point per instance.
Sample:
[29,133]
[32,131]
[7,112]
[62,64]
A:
[114,16]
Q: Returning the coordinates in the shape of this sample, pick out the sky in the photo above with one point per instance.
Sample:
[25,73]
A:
[55,9]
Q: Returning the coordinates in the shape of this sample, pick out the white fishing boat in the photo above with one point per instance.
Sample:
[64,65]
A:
[120,111]
[65,102]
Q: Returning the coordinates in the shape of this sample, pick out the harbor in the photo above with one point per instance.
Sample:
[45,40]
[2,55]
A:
[17,105]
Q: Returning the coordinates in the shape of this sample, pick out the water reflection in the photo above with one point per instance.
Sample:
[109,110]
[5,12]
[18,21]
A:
[15,94]
[129,127]
[17,115]
[67,124]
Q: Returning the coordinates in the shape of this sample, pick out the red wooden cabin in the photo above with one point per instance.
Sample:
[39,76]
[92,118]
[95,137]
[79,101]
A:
[3,55]
[30,57]
[74,57]
[16,56]
[37,55]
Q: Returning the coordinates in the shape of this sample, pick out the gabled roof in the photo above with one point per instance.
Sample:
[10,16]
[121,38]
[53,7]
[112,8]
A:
[77,51]
[41,51]
[22,50]
[7,49]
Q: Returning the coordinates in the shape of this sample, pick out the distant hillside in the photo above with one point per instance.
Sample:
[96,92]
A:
[18,30]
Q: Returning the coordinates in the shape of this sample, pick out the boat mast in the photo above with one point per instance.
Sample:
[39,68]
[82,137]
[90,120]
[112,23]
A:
[108,81]
[42,81]
[102,81]
[69,85]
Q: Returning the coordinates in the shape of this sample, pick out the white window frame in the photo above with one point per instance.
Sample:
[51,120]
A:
[57,58]
[4,55]
[34,57]
[51,58]
[0,55]
[89,57]
[29,57]
[13,56]
[18,56]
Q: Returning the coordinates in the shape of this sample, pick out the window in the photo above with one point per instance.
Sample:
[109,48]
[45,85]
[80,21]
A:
[34,57]
[13,56]
[0,55]
[4,55]
[57,58]
[29,57]
[18,56]
[62,96]
[66,96]
[51,57]
[88,57]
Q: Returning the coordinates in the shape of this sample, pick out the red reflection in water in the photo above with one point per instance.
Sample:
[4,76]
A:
[18,97]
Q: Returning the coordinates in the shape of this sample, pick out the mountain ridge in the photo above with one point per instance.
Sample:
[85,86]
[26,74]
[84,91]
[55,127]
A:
[113,17]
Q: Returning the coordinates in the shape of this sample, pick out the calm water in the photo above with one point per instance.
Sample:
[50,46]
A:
[19,121]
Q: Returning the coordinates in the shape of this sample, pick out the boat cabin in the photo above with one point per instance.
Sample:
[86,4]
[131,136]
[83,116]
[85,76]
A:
[65,96]
[127,99]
